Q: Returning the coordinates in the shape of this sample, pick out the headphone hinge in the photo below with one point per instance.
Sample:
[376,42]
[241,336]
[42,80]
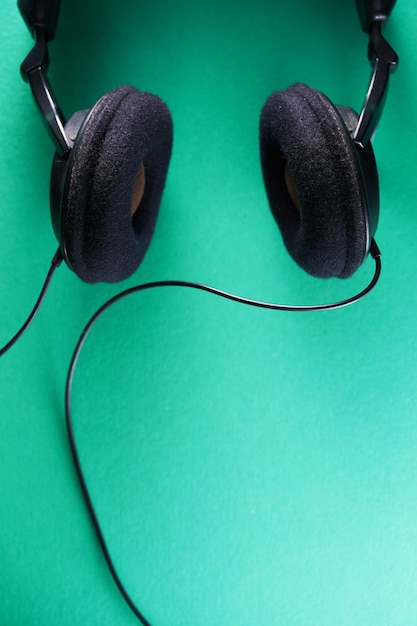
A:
[379,48]
[384,61]
[33,71]
[38,57]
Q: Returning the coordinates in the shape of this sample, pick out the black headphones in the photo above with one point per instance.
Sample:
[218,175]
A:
[111,163]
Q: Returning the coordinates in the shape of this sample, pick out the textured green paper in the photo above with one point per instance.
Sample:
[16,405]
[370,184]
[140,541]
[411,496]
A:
[249,467]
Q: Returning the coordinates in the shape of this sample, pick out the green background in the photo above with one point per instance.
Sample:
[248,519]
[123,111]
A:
[248,467]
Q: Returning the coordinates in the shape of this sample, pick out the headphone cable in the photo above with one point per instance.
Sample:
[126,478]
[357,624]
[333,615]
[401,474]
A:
[56,262]
[375,253]
[58,258]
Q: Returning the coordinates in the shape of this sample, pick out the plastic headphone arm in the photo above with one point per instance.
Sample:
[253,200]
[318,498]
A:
[384,60]
[33,70]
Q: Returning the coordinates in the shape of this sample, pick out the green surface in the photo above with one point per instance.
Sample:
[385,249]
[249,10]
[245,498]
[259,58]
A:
[249,467]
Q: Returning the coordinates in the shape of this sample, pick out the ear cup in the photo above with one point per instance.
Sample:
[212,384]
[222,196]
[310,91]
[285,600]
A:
[120,157]
[314,182]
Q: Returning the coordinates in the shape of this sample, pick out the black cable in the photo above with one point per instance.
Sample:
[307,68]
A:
[56,262]
[153,285]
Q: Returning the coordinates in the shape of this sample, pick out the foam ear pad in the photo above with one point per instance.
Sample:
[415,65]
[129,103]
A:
[125,132]
[313,182]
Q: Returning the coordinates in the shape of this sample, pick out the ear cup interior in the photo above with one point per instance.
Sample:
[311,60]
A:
[114,183]
[314,182]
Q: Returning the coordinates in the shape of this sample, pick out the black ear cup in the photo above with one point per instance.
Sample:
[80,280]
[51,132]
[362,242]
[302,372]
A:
[112,185]
[315,181]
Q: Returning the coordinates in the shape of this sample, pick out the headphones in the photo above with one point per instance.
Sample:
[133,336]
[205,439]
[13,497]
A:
[111,163]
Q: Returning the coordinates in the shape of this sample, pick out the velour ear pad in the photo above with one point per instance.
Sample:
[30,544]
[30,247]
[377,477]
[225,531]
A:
[125,129]
[313,182]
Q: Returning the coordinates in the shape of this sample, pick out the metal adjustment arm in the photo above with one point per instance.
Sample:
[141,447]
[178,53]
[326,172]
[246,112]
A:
[384,61]
[33,70]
